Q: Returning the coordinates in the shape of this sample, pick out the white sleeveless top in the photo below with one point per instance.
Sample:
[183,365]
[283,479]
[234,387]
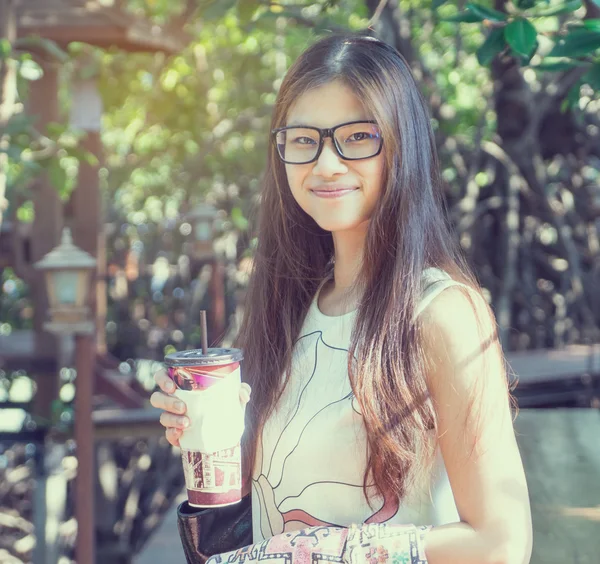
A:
[310,467]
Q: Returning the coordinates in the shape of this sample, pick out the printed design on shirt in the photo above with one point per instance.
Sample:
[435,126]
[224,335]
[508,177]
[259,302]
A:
[290,493]
[308,546]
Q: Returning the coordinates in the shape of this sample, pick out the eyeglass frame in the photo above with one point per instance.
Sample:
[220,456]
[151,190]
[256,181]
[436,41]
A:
[323,134]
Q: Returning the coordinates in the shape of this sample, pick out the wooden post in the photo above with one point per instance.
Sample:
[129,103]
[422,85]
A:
[85,220]
[40,515]
[85,207]
[85,548]
[101,291]
[45,235]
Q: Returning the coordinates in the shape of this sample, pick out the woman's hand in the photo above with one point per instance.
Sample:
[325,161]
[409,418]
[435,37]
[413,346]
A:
[174,418]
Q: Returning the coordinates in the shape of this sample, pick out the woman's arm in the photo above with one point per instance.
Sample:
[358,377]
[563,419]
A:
[467,383]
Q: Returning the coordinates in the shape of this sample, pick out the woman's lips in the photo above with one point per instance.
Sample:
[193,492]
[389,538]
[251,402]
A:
[337,193]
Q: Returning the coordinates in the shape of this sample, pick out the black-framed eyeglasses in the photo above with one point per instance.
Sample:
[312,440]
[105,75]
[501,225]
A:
[353,141]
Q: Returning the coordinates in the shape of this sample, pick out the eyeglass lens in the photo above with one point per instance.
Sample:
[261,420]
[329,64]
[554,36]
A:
[298,145]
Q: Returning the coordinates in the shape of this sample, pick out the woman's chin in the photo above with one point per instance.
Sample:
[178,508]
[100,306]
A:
[334,225]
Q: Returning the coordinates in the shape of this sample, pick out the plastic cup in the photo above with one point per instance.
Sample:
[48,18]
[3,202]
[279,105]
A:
[209,385]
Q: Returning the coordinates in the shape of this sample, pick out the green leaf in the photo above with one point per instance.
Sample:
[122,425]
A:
[572,98]
[82,155]
[246,9]
[216,9]
[13,152]
[18,123]
[30,70]
[597,2]
[493,44]
[561,65]
[486,13]
[5,48]
[524,4]
[524,60]
[577,43]
[57,175]
[592,77]
[55,128]
[464,17]
[437,3]
[521,36]
[238,219]
[556,10]
[594,24]
[35,42]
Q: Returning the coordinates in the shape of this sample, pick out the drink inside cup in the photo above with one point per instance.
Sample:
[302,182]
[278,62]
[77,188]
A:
[208,383]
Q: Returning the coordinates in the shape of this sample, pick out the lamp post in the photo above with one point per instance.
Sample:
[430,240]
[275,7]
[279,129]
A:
[67,271]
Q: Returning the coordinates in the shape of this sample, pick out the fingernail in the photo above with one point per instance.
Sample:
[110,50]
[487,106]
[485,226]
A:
[179,406]
[185,422]
[170,388]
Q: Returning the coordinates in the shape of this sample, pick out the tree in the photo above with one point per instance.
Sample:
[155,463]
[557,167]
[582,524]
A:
[25,151]
[513,91]
[8,76]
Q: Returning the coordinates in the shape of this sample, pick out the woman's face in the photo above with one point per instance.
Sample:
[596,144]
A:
[340,195]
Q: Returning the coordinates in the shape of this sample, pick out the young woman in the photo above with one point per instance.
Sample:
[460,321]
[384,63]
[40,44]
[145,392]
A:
[380,425]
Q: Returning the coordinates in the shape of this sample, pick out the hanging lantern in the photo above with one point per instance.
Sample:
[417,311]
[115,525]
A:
[67,271]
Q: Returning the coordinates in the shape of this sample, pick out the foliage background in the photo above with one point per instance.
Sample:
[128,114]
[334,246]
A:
[513,91]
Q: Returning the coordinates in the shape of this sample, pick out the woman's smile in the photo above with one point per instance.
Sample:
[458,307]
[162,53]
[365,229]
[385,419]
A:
[333,191]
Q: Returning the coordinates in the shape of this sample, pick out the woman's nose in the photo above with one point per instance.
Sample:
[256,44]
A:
[329,162]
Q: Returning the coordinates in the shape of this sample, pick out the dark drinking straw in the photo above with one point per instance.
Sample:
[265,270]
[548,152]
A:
[203,332]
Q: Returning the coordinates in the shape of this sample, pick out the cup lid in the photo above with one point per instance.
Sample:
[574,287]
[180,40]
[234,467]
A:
[195,357]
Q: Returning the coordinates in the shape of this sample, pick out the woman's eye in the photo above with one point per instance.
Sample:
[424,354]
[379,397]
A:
[360,136]
[303,140]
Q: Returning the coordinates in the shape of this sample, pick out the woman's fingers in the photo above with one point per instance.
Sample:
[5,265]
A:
[164,400]
[173,418]
[245,392]
[164,382]
[168,403]
[173,435]
[177,421]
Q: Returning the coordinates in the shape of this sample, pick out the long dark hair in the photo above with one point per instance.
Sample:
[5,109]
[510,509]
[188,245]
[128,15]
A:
[407,233]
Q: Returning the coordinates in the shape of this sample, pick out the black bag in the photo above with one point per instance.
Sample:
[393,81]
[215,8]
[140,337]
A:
[206,532]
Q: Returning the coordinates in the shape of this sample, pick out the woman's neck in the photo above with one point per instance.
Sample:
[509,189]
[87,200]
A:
[348,248]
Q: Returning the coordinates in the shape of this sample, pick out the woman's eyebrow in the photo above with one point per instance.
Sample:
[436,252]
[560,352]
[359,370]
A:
[297,122]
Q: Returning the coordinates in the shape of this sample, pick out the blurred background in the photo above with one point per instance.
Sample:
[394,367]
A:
[133,136]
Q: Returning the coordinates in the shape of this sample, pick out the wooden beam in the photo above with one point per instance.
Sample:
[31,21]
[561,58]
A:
[546,365]
[110,383]
[91,22]
[18,352]
[121,423]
